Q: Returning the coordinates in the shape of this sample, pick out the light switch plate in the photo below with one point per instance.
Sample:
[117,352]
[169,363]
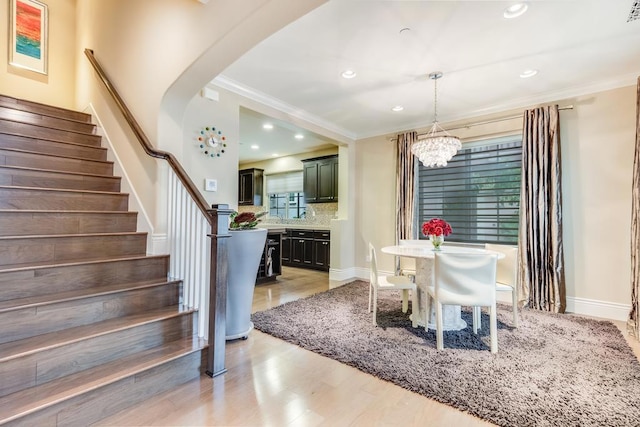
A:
[210,184]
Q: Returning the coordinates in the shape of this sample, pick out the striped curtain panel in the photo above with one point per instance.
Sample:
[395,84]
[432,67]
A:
[633,323]
[541,252]
[405,197]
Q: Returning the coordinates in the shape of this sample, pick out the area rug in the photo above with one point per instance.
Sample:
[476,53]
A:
[554,370]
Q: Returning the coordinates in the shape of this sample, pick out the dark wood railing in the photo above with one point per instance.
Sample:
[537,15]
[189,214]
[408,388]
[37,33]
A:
[218,218]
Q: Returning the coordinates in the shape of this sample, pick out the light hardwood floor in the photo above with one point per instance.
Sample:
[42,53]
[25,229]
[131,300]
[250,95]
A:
[273,383]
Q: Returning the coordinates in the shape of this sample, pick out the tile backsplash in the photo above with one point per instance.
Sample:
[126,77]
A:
[317,214]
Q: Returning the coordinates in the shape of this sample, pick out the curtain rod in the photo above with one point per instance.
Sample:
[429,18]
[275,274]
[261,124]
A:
[486,122]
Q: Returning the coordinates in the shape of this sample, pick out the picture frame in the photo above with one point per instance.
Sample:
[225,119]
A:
[28,36]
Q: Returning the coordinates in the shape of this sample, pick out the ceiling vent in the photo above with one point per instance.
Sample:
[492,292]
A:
[635,11]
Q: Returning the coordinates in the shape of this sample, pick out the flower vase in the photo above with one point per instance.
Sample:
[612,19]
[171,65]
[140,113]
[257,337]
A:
[245,249]
[436,241]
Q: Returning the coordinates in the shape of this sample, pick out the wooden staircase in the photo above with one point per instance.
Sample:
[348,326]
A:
[90,323]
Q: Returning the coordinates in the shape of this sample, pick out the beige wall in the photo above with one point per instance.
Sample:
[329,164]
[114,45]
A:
[58,86]
[159,54]
[597,159]
[224,115]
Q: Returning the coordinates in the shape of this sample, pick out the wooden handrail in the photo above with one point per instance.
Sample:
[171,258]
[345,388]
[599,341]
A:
[146,145]
[218,218]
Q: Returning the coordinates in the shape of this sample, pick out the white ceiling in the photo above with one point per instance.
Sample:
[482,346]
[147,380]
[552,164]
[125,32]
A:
[578,46]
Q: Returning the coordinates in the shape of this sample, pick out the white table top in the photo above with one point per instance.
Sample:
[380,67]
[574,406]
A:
[426,251]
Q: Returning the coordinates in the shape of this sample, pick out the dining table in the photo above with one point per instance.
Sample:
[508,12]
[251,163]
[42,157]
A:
[424,255]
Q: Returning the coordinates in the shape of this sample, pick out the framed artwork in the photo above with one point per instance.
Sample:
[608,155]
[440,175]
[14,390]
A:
[28,35]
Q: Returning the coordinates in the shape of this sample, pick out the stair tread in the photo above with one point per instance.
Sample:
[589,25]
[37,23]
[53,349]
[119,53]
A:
[29,400]
[66,211]
[93,147]
[17,304]
[47,126]
[23,105]
[12,349]
[24,168]
[65,190]
[62,236]
[38,119]
[41,264]
[62,156]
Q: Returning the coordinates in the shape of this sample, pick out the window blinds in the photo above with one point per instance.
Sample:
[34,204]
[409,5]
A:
[478,193]
[288,182]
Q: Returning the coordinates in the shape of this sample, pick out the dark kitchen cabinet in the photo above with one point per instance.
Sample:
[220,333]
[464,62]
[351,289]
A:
[250,187]
[301,248]
[308,249]
[321,250]
[286,248]
[320,179]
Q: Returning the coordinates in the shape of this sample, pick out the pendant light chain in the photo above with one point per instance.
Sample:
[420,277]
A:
[435,99]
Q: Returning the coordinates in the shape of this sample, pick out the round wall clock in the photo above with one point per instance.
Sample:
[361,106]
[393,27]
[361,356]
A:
[211,141]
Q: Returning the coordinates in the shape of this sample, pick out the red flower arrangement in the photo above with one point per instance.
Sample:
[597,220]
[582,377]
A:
[245,220]
[436,227]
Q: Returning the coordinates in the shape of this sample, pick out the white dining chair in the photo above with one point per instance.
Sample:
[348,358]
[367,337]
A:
[390,283]
[464,279]
[507,274]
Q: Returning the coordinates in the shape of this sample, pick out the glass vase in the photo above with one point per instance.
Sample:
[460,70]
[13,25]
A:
[436,241]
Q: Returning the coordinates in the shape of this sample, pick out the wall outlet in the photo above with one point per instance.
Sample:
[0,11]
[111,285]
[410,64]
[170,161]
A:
[210,184]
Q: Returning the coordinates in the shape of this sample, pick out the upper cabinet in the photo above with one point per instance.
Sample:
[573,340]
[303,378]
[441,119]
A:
[250,187]
[320,177]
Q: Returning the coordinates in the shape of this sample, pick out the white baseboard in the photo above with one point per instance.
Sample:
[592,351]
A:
[595,308]
[344,275]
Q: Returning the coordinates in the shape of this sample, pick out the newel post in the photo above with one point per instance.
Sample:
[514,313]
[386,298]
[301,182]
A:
[218,289]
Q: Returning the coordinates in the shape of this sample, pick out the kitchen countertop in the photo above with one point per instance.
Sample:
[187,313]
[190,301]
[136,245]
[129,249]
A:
[283,227]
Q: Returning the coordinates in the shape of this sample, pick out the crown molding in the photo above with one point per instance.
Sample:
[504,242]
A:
[522,103]
[261,97]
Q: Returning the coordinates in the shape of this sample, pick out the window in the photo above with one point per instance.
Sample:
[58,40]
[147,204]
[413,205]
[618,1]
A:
[286,199]
[478,192]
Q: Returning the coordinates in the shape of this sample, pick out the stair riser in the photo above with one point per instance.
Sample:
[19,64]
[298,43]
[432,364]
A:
[51,147]
[97,404]
[43,179]
[32,321]
[47,365]
[33,131]
[48,162]
[70,248]
[44,281]
[15,198]
[20,104]
[47,121]
[24,223]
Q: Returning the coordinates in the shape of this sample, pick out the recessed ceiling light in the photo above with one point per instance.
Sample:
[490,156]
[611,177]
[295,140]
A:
[397,108]
[528,73]
[299,136]
[267,126]
[515,10]
[255,147]
[348,74]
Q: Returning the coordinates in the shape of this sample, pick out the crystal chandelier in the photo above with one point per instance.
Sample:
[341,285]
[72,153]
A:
[437,147]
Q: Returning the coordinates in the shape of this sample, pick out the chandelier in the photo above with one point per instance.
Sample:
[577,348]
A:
[437,147]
